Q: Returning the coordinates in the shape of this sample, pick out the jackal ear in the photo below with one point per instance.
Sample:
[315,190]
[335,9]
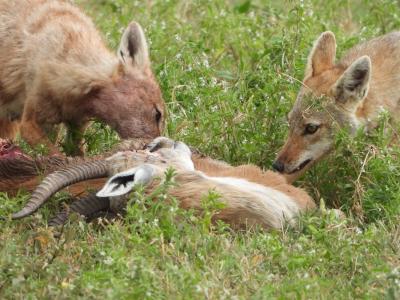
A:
[322,55]
[354,83]
[133,48]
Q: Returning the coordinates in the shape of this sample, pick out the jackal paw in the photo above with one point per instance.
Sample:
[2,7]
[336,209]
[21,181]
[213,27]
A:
[124,182]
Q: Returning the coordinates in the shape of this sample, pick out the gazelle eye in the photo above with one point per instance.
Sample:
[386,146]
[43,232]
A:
[311,128]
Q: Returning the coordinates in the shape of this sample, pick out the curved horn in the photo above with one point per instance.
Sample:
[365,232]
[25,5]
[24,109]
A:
[86,206]
[59,180]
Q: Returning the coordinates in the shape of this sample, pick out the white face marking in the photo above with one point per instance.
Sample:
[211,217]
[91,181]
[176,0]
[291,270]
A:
[177,153]
[178,158]
[314,152]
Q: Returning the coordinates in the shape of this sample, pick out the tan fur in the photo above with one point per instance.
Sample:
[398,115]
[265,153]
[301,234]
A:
[8,129]
[251,196]
[243,207]
[55,68]
[350,93]
[254,174]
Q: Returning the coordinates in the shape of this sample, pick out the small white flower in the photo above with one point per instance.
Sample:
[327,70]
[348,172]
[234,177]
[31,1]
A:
[108,261]
[198,288]
[163,26]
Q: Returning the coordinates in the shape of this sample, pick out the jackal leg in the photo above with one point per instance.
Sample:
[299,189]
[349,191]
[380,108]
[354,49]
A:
[73,143]
[32,132]
[8,129]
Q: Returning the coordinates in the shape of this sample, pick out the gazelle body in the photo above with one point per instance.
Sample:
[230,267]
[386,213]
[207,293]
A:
[251,196]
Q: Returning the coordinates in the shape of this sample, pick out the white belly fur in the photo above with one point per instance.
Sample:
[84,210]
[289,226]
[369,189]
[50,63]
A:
[279,203]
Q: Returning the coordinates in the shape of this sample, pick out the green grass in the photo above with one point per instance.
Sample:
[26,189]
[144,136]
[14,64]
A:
[226,69]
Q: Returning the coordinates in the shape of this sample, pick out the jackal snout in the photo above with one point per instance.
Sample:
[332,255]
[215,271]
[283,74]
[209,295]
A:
[278,165]
[292,159]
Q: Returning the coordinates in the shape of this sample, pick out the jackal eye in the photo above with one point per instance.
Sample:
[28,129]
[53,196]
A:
[311,128]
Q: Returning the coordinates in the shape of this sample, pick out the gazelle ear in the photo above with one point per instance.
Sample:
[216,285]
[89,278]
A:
[118,185]
[322,55]
[124,182]
[133,48]
[353,85]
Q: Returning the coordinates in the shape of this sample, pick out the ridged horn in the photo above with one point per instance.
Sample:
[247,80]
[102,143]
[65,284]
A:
[59,180]
[86,206]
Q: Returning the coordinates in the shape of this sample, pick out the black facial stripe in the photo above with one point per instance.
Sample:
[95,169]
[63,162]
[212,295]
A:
[122,55]
[302,165]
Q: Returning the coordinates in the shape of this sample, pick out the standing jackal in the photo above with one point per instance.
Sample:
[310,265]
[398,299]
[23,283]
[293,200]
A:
[55,68]
[350,94]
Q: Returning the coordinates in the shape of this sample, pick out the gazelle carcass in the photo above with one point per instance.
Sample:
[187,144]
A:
[251,196]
